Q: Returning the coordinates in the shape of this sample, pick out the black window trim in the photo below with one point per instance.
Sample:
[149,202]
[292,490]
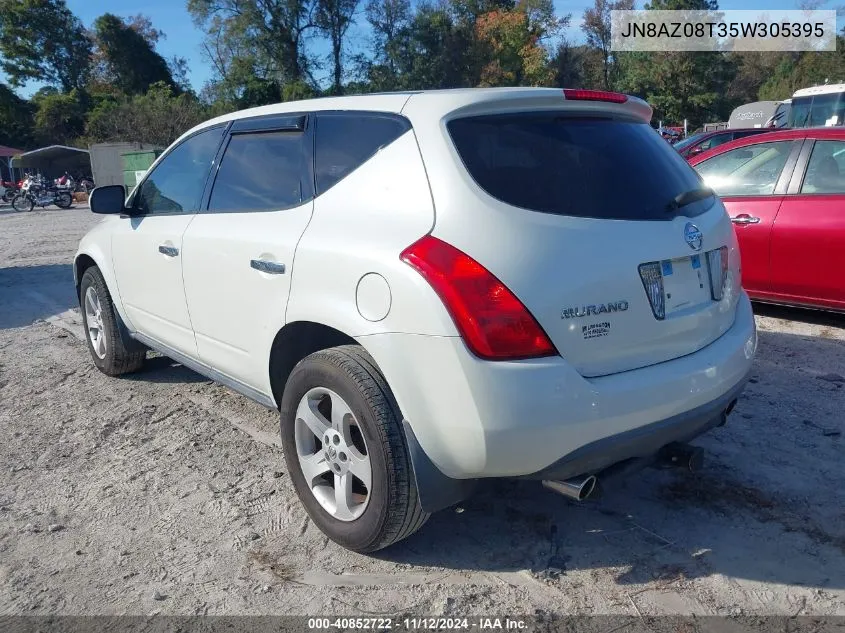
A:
[211,169]
[295,122]
[801,163]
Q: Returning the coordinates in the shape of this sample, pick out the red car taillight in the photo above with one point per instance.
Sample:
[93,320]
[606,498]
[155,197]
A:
[492,321]
[594,95]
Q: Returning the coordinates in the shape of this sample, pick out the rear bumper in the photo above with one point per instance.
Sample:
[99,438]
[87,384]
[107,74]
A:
[474,419]
[642,442]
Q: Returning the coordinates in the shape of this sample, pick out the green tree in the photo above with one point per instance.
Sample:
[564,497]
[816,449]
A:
[597,30]
[59,117]
[266,37]
[16,119]
[389,21]
[158,117]
[437,51]
[753,69]
[128,58]
[515,54]
[802,70]
[42,40]
[334,17]
[681,85]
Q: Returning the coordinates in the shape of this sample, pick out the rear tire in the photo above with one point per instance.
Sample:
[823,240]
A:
[98,316]
[348,376]
[64,200]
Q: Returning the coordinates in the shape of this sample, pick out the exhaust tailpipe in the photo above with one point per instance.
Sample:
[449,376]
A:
[576,488]
[677,455]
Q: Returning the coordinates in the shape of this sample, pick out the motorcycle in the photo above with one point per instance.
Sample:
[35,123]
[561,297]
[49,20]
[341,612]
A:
[84,185]
[34,192]
[10,190]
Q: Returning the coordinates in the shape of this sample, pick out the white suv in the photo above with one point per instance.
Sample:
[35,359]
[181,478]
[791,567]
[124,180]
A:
[433,288]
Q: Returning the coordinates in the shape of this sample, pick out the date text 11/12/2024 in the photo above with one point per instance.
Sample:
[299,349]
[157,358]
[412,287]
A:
[416,624]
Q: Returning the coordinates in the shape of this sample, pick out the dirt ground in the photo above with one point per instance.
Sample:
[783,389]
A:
[164,493]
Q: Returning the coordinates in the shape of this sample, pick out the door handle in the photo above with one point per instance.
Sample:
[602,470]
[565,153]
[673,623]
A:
[744,218]
[262,265]
[170,251]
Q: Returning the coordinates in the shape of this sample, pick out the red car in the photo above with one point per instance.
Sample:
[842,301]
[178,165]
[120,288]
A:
[703,141]
[785,193]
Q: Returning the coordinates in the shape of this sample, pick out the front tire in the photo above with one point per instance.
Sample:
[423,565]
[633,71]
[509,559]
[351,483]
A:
[101,329]
[345,450]
[22,203]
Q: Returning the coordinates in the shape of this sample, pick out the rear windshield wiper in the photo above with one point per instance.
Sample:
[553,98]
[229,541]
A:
[688,197]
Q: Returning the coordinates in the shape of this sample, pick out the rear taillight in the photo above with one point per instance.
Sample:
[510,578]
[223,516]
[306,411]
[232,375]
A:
[492,321]
[717,264]
[594,95]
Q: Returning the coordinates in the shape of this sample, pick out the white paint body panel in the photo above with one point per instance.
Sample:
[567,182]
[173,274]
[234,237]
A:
[149,282]
[473,418]
[235,309]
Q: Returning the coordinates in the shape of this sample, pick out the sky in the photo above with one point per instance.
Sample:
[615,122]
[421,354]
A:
[184,39]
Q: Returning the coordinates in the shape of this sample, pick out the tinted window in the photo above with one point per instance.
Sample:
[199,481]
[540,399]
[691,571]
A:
[716,140]
[585,167]
[176,183]
[746,171]
[346,141]
[826,169]
[688,141]
[262,171]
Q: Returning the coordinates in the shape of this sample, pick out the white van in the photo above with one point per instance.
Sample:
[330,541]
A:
[818,106]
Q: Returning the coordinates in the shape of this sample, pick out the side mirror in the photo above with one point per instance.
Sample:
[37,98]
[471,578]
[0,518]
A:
[109,199]
[696,150]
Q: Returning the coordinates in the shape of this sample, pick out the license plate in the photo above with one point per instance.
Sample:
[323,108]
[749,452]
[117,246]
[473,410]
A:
[685,283]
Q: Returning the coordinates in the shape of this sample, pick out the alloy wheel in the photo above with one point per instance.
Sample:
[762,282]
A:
[332,454]
[94,321]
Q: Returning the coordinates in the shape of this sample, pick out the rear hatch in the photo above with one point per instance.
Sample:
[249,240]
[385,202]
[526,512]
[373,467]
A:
[600,228]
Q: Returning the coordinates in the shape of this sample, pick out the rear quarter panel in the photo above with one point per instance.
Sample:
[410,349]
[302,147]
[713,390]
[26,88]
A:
[361,226]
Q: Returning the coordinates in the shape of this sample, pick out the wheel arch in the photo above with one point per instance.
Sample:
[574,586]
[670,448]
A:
[83,261]
[299,339]
[295,341]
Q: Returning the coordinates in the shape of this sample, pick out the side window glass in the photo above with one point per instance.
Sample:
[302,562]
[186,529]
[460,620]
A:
[345,141]
[746,171]
[176,183]
[825,172]
[720,139]
[261,171]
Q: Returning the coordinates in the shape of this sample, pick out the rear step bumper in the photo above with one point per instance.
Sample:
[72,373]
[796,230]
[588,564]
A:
[644,442]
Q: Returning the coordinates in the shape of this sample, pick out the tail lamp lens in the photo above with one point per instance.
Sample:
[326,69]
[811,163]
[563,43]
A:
[493,323]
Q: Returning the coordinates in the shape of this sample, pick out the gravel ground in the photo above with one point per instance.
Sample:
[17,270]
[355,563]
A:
[165,493]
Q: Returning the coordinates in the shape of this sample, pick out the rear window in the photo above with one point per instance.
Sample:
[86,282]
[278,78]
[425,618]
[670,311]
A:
[576,166]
